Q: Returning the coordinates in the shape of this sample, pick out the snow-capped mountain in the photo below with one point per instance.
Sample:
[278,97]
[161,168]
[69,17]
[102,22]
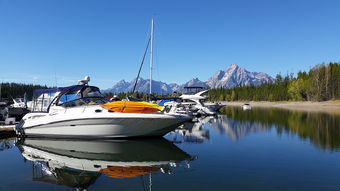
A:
[235,76]
[142,86]
[195,82]
[231,77]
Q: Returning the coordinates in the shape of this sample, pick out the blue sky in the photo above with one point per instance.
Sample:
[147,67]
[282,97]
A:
[60,41]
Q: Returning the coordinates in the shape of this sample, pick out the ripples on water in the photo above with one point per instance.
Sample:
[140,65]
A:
[259,149]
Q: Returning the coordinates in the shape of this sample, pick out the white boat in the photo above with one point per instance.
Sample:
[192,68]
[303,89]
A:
[78,163]
[18,109]
[196,102]
[18,103]
[246,106]
[75,111]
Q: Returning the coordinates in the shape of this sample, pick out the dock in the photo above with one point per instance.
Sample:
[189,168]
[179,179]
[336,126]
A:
[7,131]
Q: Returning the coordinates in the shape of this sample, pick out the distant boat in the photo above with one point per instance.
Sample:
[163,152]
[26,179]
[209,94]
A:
[246,106]
[18,109]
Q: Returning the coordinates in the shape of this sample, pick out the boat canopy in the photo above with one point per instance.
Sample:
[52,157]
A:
[62,90]
[44,97]
[165,100]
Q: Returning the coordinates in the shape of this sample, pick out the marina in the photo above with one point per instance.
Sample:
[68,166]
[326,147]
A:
[169,95]
[257,149]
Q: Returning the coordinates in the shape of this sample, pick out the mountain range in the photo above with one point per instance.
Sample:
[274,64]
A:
[231,77]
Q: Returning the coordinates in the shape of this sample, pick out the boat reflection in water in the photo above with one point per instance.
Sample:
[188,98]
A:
[193,132]
[6,144]
[78,163]
[320,129]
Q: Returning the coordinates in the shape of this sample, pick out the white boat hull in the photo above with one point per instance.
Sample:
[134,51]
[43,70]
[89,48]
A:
[246,107]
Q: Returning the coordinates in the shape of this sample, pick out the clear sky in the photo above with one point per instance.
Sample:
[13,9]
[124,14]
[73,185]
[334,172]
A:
[60,41]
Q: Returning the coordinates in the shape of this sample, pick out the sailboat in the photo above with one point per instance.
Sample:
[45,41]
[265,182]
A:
[138,106]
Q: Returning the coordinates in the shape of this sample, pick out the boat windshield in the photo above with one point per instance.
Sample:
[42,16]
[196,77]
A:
[18,100]
[87,96]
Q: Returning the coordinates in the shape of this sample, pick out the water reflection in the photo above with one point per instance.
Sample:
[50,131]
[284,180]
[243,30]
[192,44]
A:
[321,129]
[193,132]
[272,155]
[77,164]
[198,131]
[6,144]
[235,129]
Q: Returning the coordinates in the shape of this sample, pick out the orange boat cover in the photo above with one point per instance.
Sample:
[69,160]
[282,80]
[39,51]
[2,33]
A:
[131,107]
[128,172]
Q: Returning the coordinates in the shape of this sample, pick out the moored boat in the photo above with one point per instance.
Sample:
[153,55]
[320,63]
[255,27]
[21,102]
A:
[246,106]
[76,111]
[196,101]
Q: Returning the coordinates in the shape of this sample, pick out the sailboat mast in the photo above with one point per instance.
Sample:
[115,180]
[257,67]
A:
[151,49]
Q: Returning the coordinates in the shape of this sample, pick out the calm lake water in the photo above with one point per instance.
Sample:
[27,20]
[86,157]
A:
[260,149]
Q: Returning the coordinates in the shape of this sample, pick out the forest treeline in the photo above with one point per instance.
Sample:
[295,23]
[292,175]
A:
[321,83]
[17,90]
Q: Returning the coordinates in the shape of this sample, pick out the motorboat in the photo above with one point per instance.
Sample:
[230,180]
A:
[76,111]
[196,101]
[78,163]
[18,102]
[18,109]
[246,106]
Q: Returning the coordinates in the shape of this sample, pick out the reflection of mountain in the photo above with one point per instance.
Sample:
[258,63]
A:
[235,129]
[322,129]
[79,163]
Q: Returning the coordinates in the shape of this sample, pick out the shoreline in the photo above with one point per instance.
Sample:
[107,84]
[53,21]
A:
[325,106]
